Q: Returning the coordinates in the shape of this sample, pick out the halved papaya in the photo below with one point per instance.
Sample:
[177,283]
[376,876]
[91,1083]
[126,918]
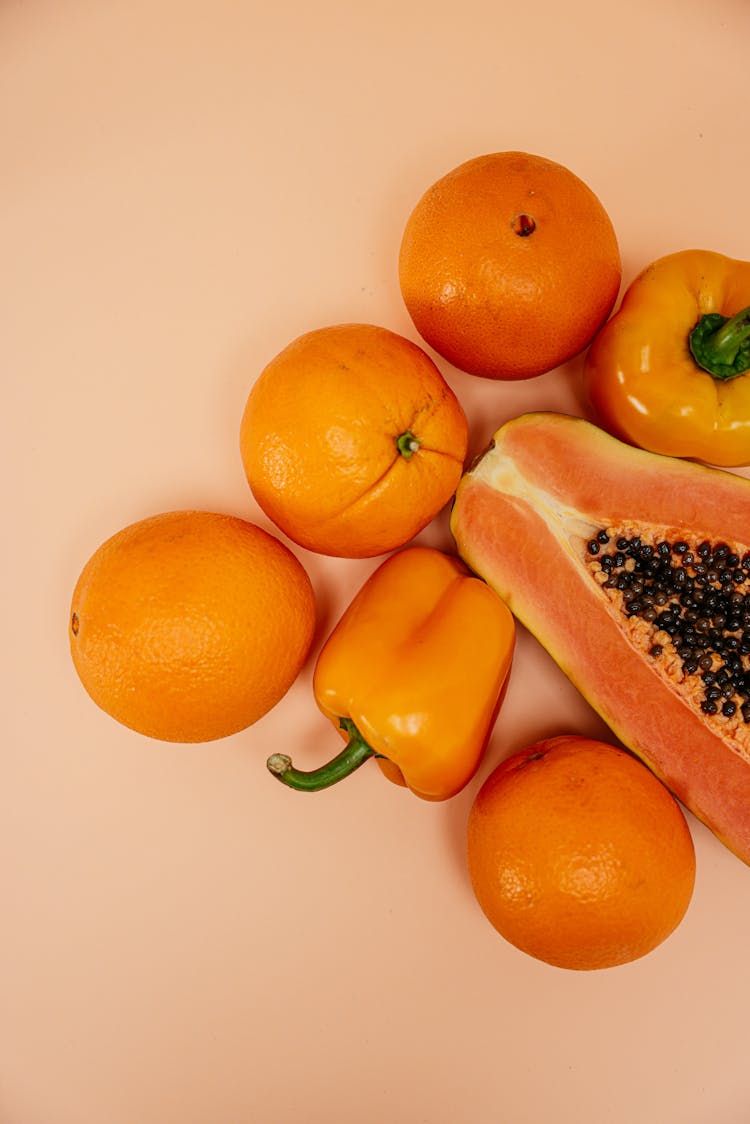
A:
[633,570]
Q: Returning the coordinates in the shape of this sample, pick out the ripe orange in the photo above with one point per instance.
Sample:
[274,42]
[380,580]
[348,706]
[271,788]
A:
[189,626]
[509,265]
[578,855]
[352,440]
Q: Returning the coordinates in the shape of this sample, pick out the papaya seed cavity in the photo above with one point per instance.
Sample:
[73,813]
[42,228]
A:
[688,604]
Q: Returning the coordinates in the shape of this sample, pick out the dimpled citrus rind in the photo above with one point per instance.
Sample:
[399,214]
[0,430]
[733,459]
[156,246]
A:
[190,626]
[498,297]
[326,440]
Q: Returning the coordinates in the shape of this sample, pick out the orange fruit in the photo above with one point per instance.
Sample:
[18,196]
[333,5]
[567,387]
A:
[352,440]
[190,626]
[508,265]
[578,855]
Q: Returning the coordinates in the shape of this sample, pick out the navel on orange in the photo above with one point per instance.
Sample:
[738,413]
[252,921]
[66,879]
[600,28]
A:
[579,855]
[190,625]
[352,440]
[508,265]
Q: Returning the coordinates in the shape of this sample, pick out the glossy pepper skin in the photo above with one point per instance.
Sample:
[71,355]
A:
[414,673]
[642,379]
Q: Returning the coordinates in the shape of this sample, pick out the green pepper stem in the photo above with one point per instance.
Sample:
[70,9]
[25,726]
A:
[721,344]
[354,754]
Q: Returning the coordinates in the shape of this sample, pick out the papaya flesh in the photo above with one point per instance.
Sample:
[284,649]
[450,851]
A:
[633,570]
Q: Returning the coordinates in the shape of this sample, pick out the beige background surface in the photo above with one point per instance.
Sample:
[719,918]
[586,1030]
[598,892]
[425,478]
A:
[184,188]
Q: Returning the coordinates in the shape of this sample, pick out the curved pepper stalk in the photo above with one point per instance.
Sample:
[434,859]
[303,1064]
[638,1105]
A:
[351,758]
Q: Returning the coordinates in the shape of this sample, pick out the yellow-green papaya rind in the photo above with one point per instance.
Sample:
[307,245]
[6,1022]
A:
[520,520]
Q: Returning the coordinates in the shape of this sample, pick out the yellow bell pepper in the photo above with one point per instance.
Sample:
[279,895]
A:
[670,372]
[413,675]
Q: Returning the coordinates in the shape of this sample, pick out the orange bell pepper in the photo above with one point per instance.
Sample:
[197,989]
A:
[670,372]
[413,675]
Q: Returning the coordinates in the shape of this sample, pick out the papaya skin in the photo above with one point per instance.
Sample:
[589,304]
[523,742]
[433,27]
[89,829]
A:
[521,518]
